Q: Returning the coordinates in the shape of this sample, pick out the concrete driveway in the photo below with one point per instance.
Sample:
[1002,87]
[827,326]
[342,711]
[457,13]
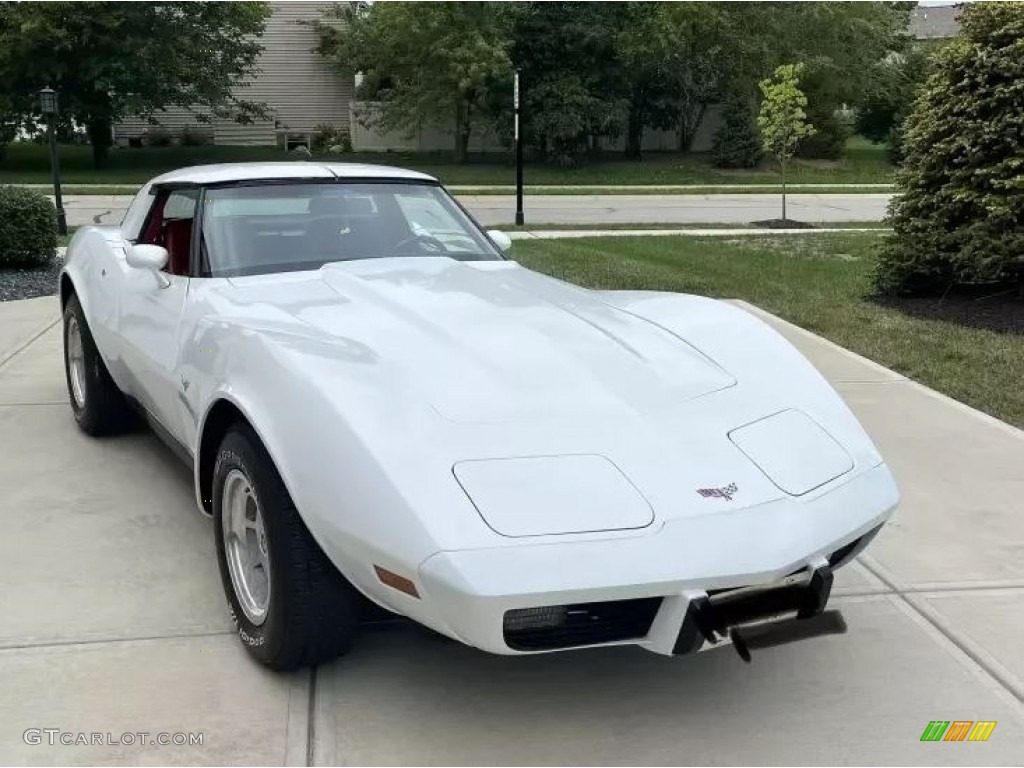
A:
[112,620]
[499,210]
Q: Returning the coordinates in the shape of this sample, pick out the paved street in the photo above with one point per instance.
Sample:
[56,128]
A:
[496,210]
[113,620]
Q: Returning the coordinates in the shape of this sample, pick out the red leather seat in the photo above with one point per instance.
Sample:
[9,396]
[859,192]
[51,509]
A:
[178,242]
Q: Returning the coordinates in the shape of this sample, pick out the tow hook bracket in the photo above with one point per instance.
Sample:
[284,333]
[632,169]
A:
[761,617]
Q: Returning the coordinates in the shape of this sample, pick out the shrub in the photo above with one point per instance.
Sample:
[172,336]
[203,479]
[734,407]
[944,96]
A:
[827,142]
[325,137]
[958,217]
[737,142]
[28,227]
[195,136]
[894,145]
[156,136]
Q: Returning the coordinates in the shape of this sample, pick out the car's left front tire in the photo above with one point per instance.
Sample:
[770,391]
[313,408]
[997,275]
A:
[98,405]
[291,606]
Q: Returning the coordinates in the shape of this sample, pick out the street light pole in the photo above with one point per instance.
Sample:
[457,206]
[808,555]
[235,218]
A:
[519,153]
[48,103]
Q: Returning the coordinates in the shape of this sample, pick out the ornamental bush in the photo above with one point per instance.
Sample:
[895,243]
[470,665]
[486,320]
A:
[326,137]
[737,142]
[28,227]
[958,217]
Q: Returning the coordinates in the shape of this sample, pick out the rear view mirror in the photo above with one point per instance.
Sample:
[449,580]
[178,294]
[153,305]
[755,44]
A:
[500,239]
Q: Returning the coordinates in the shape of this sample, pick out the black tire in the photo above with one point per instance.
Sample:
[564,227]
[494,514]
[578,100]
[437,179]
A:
[103,410]
[313,612]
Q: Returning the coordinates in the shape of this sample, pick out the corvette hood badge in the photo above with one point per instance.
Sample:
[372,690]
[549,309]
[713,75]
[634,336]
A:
[725,492]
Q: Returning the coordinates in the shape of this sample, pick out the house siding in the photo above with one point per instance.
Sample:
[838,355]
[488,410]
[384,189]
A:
[299,88]
[302,90]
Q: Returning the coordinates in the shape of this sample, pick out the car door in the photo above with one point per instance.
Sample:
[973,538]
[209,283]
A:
[151,305]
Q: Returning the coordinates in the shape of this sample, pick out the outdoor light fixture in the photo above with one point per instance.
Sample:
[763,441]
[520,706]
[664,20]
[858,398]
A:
[48,101]
[49,105]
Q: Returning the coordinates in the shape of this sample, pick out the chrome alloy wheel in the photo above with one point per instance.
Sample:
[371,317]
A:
[76,362]
[245,546]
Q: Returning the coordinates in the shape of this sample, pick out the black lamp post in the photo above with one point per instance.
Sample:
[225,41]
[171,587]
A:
[519,153]
[50,108]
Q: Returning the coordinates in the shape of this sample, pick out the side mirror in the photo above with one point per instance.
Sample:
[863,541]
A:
[152,257]
[149,257]
[500,239]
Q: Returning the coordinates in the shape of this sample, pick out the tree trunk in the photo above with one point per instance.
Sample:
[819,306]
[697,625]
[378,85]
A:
[462,146]
[634,133]
[98,129]
[462,130]
[688,125]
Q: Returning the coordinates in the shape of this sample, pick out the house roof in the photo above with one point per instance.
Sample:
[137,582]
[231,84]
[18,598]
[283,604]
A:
[935,22]
[228,172]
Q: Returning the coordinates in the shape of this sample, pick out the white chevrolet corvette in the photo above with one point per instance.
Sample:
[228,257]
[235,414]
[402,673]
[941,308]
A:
[381,409]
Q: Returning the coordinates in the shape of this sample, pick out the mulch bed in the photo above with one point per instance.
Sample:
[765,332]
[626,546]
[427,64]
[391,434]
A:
[782,224]
[29,282]
[1001,311]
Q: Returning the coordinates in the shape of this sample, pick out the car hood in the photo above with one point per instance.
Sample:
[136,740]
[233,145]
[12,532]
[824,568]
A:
[493,341]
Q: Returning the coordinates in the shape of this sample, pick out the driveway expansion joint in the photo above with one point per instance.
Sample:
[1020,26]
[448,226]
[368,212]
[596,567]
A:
[311,714]
[23,345]
[913,601]
[42,645]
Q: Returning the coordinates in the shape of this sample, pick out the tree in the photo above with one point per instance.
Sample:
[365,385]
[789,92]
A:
[958,216]
[843,47]
[112,59]
[885,105]
[737,143]
[573,88]
[651,44]
[424,63]
[720,50]
[782,119]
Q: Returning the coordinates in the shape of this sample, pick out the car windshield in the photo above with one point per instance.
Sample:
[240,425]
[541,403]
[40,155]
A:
[267,228]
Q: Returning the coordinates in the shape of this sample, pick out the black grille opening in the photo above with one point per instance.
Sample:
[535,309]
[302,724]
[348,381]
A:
[844,554]
[567,626]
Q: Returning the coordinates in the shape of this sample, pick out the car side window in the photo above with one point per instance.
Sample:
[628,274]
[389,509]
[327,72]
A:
[170,225]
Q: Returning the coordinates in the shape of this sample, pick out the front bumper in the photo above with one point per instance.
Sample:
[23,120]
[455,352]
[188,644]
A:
[467,593]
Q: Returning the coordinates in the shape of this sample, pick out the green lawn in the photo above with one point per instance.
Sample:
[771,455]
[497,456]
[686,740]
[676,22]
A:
[816,281]
[659,225]
[864,163]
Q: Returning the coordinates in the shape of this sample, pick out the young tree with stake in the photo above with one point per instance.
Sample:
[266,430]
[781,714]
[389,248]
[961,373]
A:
[782,119]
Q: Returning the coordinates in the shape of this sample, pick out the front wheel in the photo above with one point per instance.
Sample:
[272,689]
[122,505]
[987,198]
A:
[290,605]
[98,405]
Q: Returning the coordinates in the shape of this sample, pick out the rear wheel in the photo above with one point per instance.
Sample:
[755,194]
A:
[98,405]
[290,605]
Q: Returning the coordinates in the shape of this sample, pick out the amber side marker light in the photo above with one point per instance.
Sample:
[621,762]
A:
[395,581]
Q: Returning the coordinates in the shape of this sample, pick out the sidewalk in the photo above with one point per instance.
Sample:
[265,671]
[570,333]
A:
[114,620]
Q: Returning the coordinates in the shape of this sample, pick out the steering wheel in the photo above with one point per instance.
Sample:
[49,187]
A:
[427,244]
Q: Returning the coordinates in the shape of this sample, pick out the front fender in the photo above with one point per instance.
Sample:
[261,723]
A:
[286,385]
[94,264]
